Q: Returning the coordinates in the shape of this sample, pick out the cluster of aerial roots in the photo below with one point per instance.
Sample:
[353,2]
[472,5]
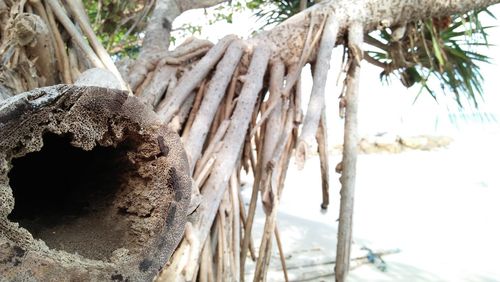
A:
[237,105]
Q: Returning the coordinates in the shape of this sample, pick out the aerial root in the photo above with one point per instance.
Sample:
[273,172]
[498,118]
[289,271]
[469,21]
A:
[349,154]
[215,186]
[317,99]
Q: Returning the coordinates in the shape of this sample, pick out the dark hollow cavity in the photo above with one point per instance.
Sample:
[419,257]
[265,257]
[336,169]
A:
[64,196]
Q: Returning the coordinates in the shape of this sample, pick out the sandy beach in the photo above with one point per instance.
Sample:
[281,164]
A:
[439,210]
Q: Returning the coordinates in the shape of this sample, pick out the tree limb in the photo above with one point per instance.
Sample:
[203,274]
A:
[192,4]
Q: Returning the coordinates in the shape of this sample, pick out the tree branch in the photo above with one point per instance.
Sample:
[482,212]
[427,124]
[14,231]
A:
[370,13]
[159,26]
[191,4]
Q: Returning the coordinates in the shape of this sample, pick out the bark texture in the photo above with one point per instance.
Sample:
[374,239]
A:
[122,223]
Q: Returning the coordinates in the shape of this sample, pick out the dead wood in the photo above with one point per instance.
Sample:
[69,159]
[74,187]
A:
[126,221]
[194,110]
[61,55]
[322,139]
[281,253]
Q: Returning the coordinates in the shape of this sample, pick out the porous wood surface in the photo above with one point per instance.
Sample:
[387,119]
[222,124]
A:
[127,236]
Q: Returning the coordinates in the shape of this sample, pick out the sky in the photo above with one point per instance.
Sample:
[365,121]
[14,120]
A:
[384,108]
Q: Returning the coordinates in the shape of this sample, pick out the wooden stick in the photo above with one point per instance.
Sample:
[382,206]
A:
[247,238]
[230,93]
[219,117]
[46,62]
[188,47]
[205,263]
[322,139]
[281,252]
[170,90]
[317,100]
[253,158]
[184,58]
[243,216]
[225,207]
[145,64]
[349,156]
[236,226]
[182,114]
[273,181]
[145,84]
[246,161]
[201,177]
[73,63]
[210,263]
[220,248]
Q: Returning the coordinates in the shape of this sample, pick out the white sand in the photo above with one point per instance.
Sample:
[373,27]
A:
[440,208]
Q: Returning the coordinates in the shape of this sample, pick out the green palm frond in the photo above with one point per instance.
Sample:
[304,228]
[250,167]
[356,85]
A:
[446,49]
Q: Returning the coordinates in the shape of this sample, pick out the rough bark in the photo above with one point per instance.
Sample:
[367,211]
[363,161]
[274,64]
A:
[123,222]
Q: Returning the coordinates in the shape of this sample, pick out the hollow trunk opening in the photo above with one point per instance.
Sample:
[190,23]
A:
[67,200]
